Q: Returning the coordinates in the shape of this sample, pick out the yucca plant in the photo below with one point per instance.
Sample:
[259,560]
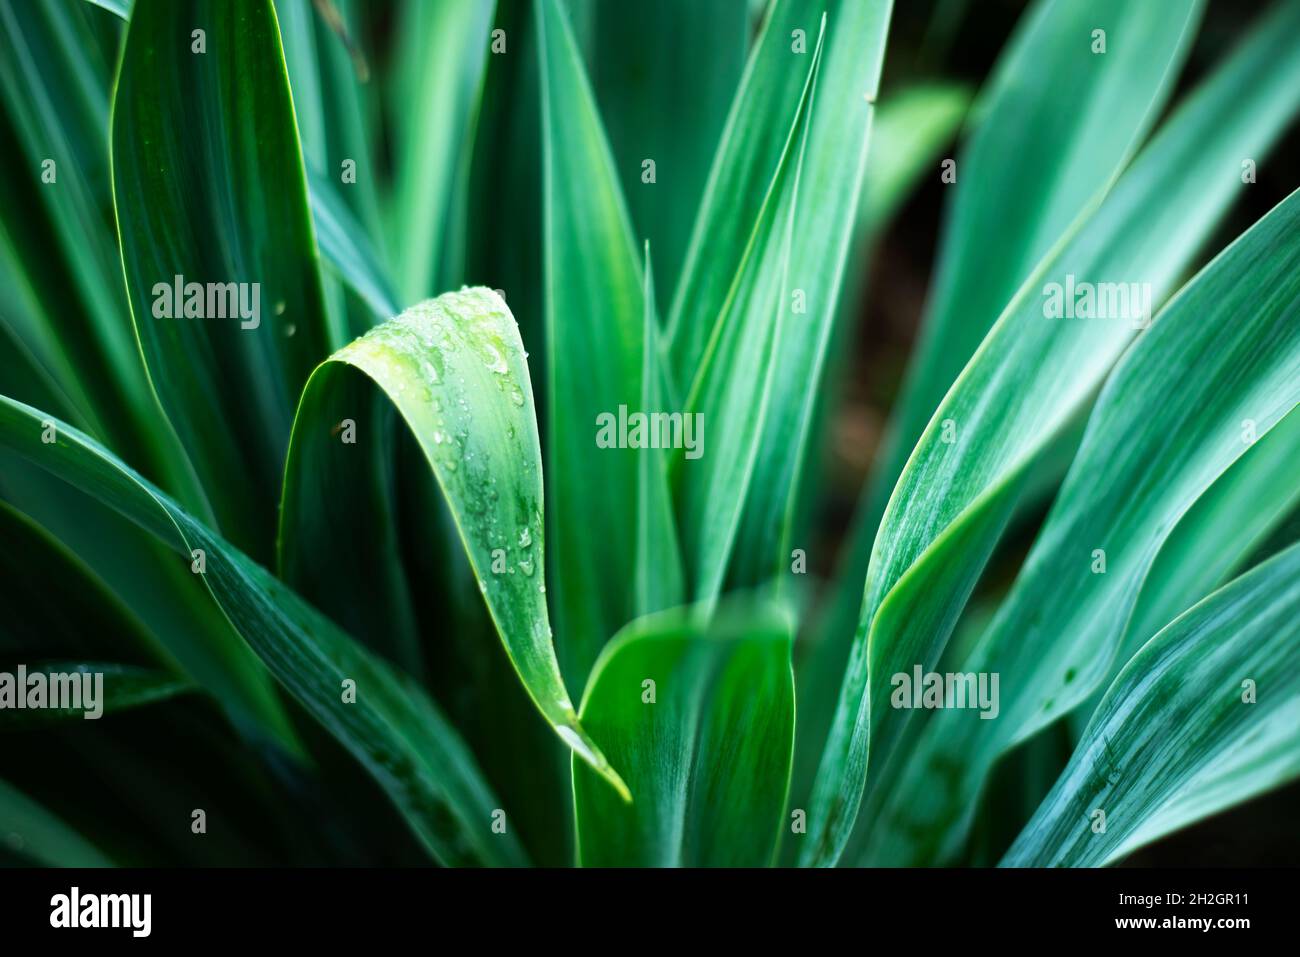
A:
[365,581]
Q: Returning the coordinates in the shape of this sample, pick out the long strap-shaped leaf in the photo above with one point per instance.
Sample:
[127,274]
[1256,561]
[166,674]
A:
[594,309]
[454,370]
[730,409]
[209,187]
[1027,135]
[1205,715]
[751,152]
[391,727]
[69,312]
[1220,532]
[441,56]
[346,223]
[349,252]
[1048,141]
[658,102]
[827,216]
[1167,425]
[659,580]
[700,715]
[1026,382]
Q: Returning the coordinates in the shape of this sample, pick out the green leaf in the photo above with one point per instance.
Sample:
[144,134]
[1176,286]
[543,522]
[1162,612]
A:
[85,582]
[442,52]
[825,220]
[1021,390]
[349,252]
[1181,734]
[326,72]
[659,583]
[124,687]
[1222,529]
[1043,151]
[209,186]
[454,370]
[121,8]
[911,126]
[1215,540]
[713,480]
[69,311]
[37,834]
[752,150]
[706,747]
[1056,125]
[594,318]
[392,728]
[664,75]
[1166,426]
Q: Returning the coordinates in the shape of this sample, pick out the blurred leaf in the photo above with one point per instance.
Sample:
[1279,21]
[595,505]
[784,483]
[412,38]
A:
[664,75]
[438,83]
[1042,152]
[659,582]
[69,562]
[706,747]
[1174,739]
[911,126]
[124,687]
[1029,378]
[391,728]
[34,832]
[209,186]
[327,101]
[121,8]
[1166,426]
[454,369]
[348,251]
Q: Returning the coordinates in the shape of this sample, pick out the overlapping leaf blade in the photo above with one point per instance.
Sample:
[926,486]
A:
[1165,428]
[328,105]
[701,717]
[664,75]
[1042,151]
[66,310]
[714,478]
[209,186]
[1205,715]
[826,218]
[593,288]
[1021,389]
[391,727]
[659,580]
[1041,154]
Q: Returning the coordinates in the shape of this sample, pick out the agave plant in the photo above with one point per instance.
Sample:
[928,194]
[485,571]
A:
[350,576]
